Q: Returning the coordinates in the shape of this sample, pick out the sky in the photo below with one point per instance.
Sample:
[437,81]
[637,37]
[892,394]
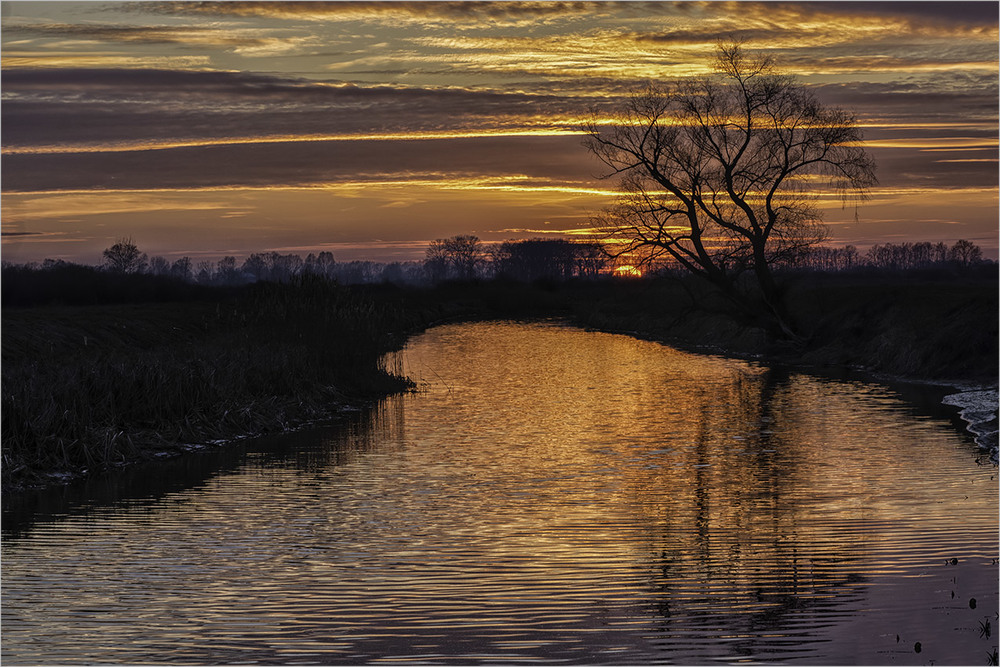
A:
[368,129]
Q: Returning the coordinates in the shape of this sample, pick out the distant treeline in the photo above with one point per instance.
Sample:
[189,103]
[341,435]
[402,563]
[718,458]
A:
[458,258]
[462,257]
[890,256]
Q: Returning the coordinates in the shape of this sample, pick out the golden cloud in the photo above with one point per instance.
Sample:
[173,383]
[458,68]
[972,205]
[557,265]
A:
[75,59]
[502,12]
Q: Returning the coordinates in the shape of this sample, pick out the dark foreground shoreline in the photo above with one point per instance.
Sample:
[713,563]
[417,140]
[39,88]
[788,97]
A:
[94,388]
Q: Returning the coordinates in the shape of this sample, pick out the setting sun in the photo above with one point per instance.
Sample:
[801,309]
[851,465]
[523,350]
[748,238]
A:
[629,271]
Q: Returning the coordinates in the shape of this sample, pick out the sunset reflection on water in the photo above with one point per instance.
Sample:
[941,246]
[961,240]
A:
[548,494]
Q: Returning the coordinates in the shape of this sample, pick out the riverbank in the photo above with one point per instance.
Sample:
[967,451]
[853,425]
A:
[925,330]
[931,330]
[87,389]
[93,388]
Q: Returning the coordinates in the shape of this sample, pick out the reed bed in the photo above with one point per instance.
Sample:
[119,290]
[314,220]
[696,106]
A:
[86,389]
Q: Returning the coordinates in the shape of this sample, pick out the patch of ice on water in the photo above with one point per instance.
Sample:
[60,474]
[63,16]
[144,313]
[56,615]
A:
[979,410]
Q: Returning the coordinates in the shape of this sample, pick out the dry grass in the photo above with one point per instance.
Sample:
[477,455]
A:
[89,388]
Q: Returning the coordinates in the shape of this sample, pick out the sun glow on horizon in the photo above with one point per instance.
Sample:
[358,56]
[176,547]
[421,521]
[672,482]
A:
[196,126]
[628,271]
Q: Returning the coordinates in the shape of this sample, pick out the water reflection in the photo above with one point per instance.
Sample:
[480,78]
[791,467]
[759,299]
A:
[549,495]
[148,482]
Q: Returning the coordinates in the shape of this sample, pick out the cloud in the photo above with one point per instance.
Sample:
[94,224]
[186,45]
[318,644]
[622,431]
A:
[503,12]
[132,33]
[921,101]
[248,42]
[16,59]
[935,13]
[550,161]
[94,107]
[77,205]
[95,128]
[851,37]
[875,18]
[128,86]
[541,164]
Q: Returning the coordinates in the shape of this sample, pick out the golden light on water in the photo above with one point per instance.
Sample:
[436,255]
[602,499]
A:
[547,494]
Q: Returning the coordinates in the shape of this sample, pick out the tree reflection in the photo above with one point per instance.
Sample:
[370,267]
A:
[756,559]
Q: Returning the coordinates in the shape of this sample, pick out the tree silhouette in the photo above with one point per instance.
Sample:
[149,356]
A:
[181,268]
[965,253]
[715,175]
[124,257]
[466,254]
[436,260]
[463,254]
[159,266]
[553,259]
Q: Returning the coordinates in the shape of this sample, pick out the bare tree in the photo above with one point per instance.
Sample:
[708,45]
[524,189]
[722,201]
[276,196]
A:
[257,265]
[460,256]
[159,266]
[285,267]
[715,175]
[436,260]
[552,259]
[226,271]
[466,254]
[904,256]
[590,259]
[125,257]
[965,252]
[939,253]
[205,273]
[181,268]
[321,264]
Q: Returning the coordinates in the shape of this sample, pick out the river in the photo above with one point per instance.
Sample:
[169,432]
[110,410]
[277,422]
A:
[548,495]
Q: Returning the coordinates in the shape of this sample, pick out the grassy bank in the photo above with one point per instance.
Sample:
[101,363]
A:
[933,327]
[87,388]
[924,328]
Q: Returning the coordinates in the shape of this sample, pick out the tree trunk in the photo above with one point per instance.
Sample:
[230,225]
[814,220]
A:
[781,324]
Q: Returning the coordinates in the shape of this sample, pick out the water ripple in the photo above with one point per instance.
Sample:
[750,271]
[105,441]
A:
[550,496]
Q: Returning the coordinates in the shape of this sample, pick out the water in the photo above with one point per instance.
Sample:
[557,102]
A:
[550,495]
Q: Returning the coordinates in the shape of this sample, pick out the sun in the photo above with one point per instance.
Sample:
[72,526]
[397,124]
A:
[628,271]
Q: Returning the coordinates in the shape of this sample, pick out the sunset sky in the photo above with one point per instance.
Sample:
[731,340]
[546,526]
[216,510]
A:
[370,128]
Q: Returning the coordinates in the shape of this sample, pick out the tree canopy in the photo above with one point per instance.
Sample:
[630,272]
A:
[719,174]
[124,257]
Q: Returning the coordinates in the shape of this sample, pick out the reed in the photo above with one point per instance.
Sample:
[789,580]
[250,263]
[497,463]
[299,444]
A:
[89,388]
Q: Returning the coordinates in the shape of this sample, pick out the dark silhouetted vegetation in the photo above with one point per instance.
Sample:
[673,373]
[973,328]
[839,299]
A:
[889,257]
[64,283]
[924,325]
[125,257]
[103,366]
[458,258]
[548,259]
[527,260]
[85,388]
[713,171]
